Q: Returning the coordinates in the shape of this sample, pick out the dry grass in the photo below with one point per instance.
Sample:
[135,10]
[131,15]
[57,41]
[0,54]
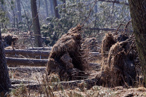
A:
[47,90]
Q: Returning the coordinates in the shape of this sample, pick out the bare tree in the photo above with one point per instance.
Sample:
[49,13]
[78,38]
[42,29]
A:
[64,2]
[46,4]
[5,83]
[26,17]
[138,15]
[95,8]
[56,9]
[51,7]
[36,25]
[19,10]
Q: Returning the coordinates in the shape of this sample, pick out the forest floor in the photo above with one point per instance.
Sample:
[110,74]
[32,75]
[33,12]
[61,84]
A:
[28,82]
[21,76]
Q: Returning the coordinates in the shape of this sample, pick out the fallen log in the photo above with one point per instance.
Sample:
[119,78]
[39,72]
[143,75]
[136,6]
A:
[39,48]
[30,53]
[117,2]
[42,69]
[63,84]
[33,62]
[27,69]
[26,62]
[109,29]
[17,81]
[37,53]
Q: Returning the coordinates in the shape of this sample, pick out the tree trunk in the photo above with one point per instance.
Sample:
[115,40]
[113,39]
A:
[56,9]
[2,6]
[5,83]
[64,2]
[13,25]
[36,25]
[51,7]
[14,9]
[138,15]
[19,10]
[27,19]
[47,12]
[95,8]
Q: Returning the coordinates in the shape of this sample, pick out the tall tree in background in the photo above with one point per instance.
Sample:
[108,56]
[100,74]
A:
[2,5]
[51,7]
[95,8]
[16,10]
[138,15]
[56,9]
[5,83]
[64,2]
[47,12]
[3,15]
[13,12]
[19,10]
[36,25]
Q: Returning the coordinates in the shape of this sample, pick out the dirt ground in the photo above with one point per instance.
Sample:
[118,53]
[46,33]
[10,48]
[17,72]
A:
[34,75]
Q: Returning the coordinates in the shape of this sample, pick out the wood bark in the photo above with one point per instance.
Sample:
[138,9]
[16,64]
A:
[114,1]
[28,69]
[25,13]
[64,2]
[15,9]
[29,53]
[19,10]
[40,48]
[95,8]
[138,15]
[109,29]
[33,62]
[51,7]
[14,15]
[5,83]
[36,25]
[56,9]
[26,62]
[46,5]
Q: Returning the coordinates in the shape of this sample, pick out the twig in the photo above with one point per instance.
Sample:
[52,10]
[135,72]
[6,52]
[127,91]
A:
[126,26]
[118,28]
